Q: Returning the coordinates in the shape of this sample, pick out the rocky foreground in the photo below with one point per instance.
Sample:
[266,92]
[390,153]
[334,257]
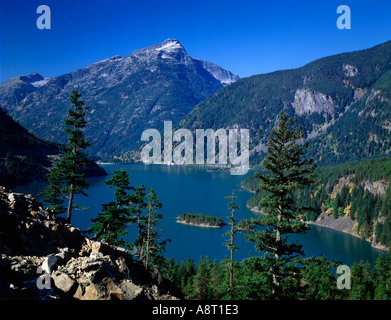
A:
[42,259]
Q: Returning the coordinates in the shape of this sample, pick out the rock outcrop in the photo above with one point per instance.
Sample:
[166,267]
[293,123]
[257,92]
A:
[309,101]
[43,259]
[343,224]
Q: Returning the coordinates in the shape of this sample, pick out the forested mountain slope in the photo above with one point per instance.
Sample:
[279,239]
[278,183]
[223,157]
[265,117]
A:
[343,103]
[356,191]
[22,155]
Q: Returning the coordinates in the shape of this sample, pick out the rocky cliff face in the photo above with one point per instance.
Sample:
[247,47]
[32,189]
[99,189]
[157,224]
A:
[43,258]
[308,101]
[224,76]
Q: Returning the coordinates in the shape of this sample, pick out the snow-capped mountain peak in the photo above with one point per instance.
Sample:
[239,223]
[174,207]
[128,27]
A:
[170,45]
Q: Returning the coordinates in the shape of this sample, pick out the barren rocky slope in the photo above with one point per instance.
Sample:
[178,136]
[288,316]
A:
[42,258]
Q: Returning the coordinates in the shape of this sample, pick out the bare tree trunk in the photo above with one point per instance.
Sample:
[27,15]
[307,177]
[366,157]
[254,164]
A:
[138,220]
[70,204]
[147,249]
[231,273]
[275,271]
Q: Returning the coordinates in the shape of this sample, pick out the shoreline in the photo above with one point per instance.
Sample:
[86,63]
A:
[246,189]
[337,226]
[202,225]
[342,224]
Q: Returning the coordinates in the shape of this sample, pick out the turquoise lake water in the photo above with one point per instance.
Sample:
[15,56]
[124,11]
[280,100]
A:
[194,189]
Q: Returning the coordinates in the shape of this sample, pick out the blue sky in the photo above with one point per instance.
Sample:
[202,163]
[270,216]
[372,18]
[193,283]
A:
[245,37]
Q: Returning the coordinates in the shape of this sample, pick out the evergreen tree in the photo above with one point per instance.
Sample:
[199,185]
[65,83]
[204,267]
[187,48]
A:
[152,246]
[201,279]
[138,205]
[357,197]
[382,277]
[362,288]
[112,221]
[230,243]
[138,200]
[284,174]
[318,279]
[67,178]
[52,194]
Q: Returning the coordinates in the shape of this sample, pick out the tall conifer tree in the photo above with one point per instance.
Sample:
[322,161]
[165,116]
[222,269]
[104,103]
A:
[152,245]
[115,216]
[283,173]
[230,244]
[67,178]
[138,199]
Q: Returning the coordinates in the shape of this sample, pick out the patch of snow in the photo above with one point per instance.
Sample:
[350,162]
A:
[227,81]
[41,83]
[165,56]
[170,46]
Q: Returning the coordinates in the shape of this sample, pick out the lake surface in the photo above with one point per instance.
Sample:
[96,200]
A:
[194,189]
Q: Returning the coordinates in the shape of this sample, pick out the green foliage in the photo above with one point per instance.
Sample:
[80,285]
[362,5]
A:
[138,205]
[361,282]
[112,221]
[209,280]
[152,246]
[200,219]
[284,174]
[233,223]
[318,279]
[381,277]
[67,178]
[361,206]
[362,132]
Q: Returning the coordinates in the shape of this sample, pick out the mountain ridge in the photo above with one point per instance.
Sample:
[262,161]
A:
[322,94]
[25,158]
[125,94]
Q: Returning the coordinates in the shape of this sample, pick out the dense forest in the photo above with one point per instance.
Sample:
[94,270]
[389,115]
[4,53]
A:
[209,279]
[344,190]
[200,219]
[15,170]
[361,133]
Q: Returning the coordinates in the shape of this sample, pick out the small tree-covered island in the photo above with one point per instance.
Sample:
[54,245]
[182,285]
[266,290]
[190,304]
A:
[200,220]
